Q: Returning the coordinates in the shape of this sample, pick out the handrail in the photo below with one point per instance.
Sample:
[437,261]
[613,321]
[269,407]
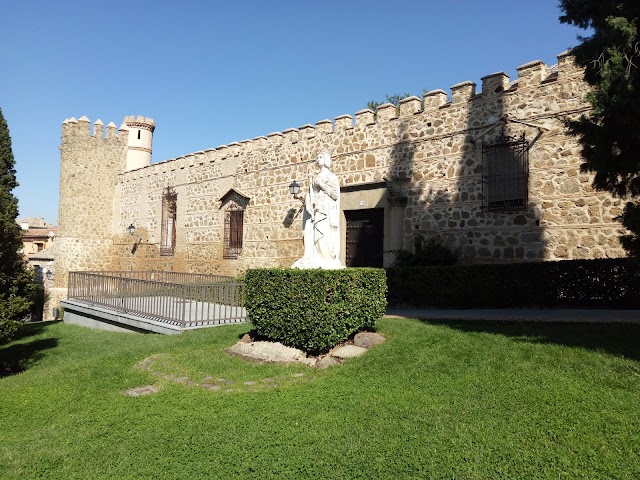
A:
[163,276]
[189,300]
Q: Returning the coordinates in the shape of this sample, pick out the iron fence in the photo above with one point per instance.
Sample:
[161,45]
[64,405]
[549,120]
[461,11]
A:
[183,299]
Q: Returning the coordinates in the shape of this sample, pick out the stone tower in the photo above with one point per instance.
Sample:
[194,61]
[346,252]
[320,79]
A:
[90,163]
[139,141]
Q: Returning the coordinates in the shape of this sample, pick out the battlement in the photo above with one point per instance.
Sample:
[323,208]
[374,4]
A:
[131,121]
[532,75]
[82,127]
[138,119]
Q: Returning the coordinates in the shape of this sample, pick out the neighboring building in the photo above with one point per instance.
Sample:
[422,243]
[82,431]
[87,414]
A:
[38,251]
[43,262]
[493,174]
[36,236]
[44,267]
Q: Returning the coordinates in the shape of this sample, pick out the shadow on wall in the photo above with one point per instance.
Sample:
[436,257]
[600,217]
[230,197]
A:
[136,252]
[291,216]
[493,218]
[472,198]
[401,181]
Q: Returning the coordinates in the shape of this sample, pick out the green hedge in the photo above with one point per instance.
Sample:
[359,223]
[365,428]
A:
[606,283]
[314,310]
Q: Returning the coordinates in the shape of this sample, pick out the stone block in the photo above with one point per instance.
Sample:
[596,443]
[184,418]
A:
[348,351]
[462,92]
[368,339]
[495,83]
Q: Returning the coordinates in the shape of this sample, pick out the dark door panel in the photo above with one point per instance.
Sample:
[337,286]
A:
[365,229]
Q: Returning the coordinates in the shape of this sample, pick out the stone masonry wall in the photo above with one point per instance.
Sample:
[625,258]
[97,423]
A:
[428,151]
[88,172]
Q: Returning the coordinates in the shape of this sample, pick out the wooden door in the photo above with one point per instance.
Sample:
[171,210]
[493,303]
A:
[365,230]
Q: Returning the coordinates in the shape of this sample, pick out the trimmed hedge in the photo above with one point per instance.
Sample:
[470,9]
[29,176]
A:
[314,310]
[603,283]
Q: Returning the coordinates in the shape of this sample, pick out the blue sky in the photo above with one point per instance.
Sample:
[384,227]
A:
[210,73]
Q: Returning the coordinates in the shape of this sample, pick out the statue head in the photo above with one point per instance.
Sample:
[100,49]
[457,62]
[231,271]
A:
[324,159]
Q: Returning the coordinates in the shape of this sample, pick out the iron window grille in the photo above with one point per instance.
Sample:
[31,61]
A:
[233,231]
[505,174]
[169,217]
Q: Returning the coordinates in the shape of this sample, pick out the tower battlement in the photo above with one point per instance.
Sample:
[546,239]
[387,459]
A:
[132,121]
[82,127]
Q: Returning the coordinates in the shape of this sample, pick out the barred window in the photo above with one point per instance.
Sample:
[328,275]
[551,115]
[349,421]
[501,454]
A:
[505,174]
[233,231]
[169,216]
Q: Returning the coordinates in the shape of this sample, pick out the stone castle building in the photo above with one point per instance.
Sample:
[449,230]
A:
[493,174]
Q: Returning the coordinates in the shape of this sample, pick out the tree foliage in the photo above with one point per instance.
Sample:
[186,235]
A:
[17,285]
[610,134]
[393,99]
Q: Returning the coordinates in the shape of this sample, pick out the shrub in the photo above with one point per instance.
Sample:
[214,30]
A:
[603,283]
[314,310]
[432,251]
[18,296]
[39,298]
[8,328]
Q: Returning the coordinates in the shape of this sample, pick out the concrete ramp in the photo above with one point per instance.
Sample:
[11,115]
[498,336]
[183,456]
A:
[200,315]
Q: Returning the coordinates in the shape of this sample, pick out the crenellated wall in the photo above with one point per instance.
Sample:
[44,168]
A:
[91,162]
[421,162]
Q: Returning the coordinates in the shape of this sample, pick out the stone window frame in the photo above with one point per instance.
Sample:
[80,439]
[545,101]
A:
[505,174]
[233,232]
[235,204]
[169,221]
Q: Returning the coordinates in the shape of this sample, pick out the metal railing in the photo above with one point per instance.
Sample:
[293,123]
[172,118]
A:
[183,299]
[168,277]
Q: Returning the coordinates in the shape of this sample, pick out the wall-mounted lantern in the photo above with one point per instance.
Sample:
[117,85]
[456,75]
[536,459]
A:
[132,231]
[294,189]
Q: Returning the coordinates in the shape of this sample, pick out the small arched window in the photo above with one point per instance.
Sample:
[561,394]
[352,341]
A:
[169,217]
[233,232]
[233,203]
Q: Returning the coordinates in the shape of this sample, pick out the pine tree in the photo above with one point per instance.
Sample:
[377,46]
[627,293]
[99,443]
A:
[16,282]
[610,134]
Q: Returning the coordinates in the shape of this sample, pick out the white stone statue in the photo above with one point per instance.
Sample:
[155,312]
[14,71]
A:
[321,219]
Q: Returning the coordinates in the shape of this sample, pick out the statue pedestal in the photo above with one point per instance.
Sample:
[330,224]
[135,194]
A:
[307,263]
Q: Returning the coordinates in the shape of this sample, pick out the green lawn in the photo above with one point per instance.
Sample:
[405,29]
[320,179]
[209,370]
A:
[437,400]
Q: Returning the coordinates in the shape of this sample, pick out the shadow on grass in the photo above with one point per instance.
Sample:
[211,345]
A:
[617,339]
[30,329]
[17,357]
